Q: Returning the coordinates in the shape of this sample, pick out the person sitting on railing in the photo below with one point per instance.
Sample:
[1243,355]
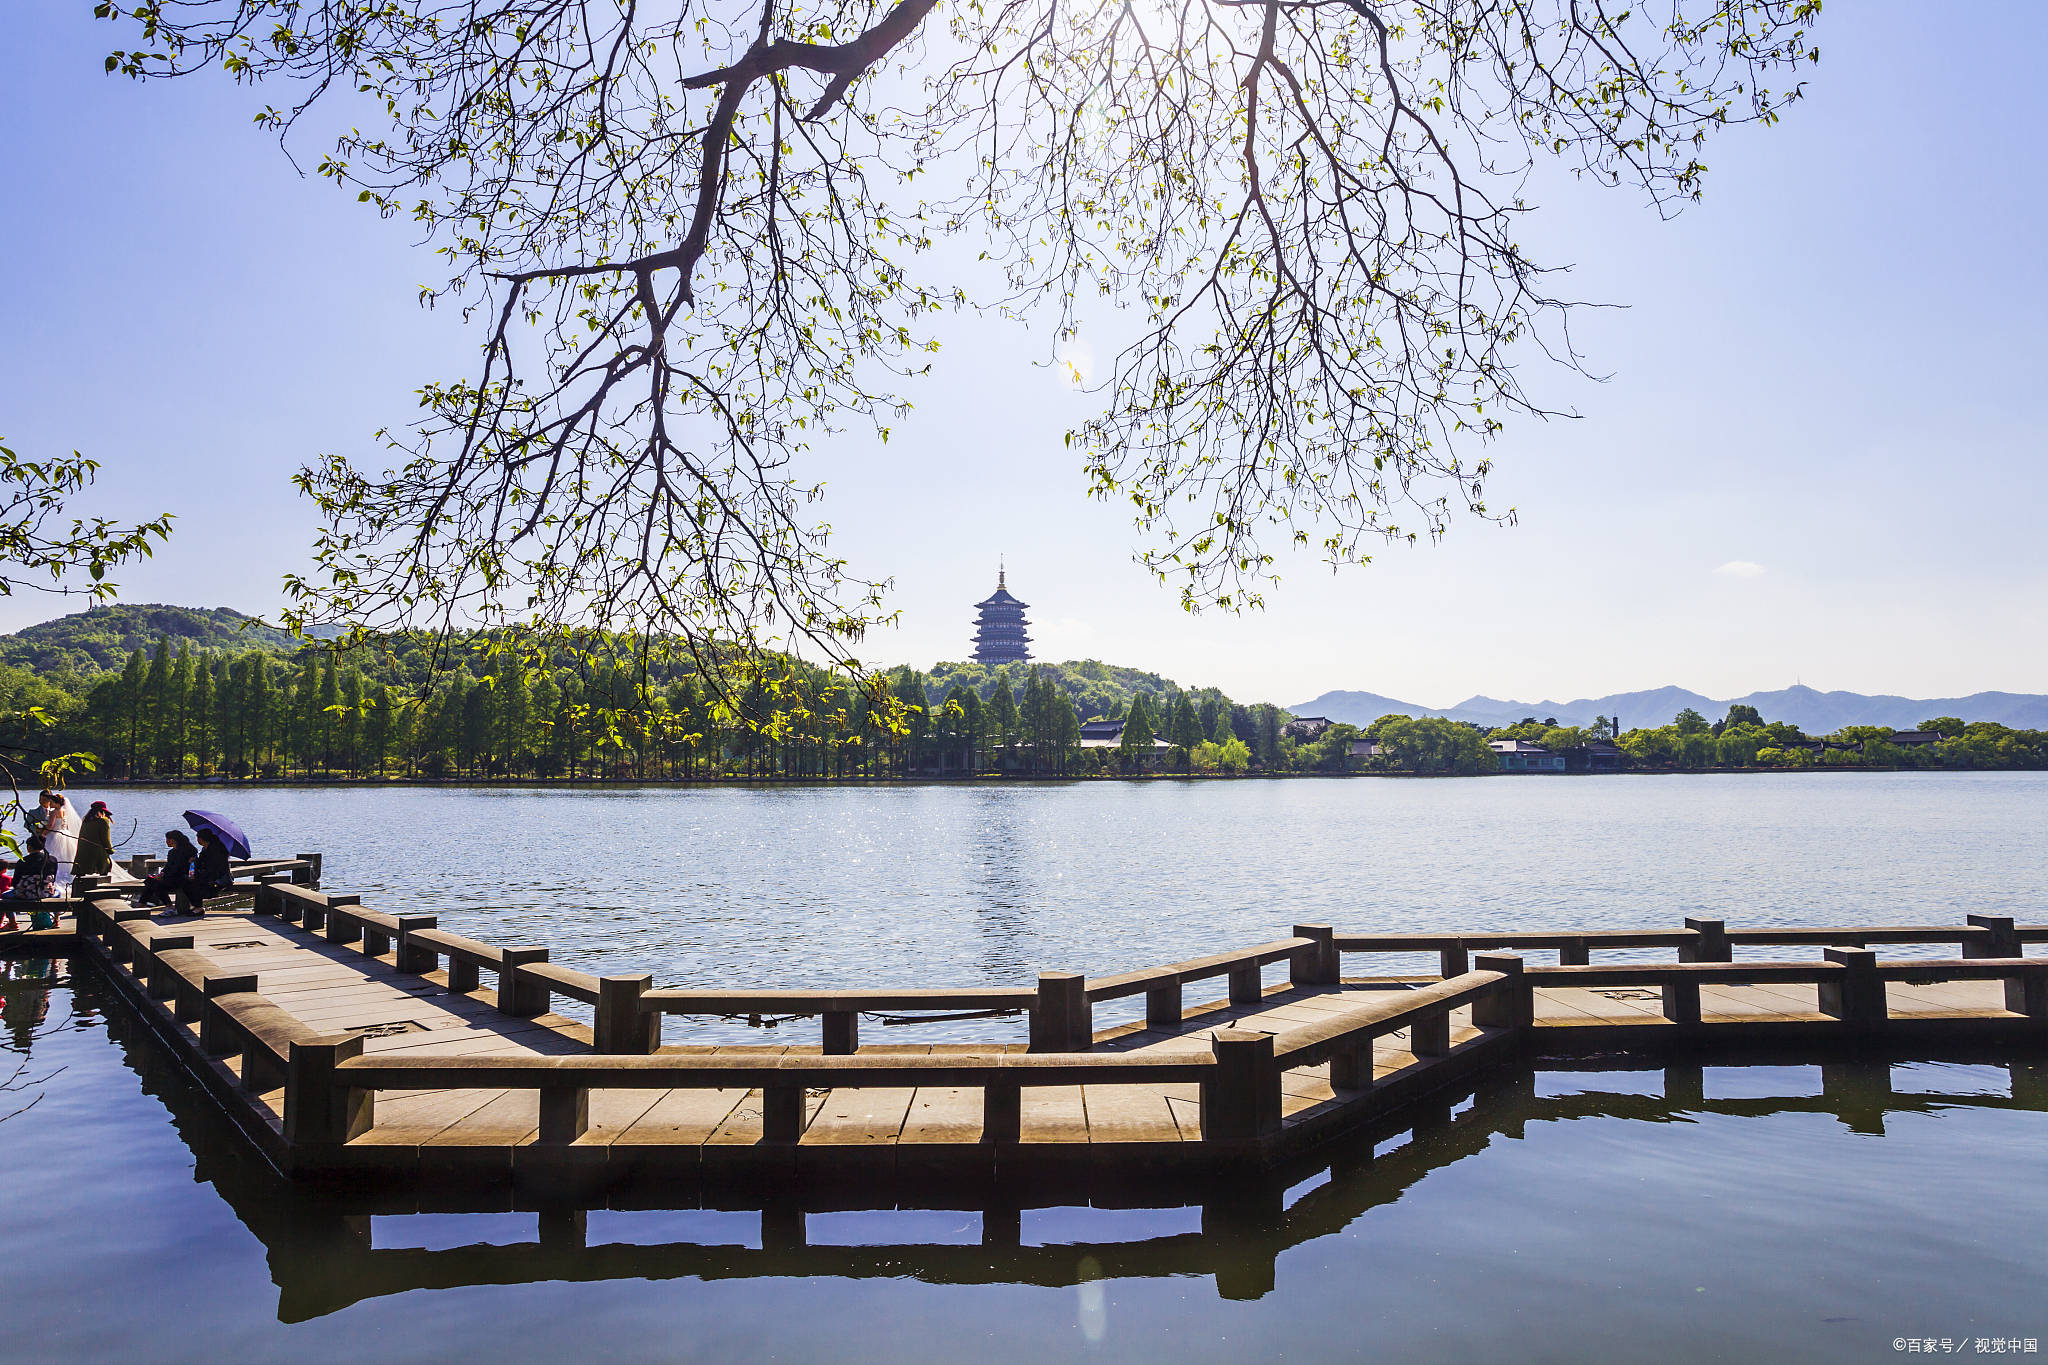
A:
[213,876]
[160,887]
[35,877]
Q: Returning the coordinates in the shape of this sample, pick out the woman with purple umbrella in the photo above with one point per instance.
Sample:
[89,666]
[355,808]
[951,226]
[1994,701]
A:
[219,840]
[212,876]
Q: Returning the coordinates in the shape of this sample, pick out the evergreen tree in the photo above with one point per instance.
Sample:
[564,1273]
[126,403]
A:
[910,691]
[230,713]
[178,706]
[514,705]
[1136,744]
[1002,714]
[1185,731]
[474,732]
[1066,732]
[159,692]
[330,716]
[106,720]
[569,727]
[1267,749]
[353,704]
[441,727]
[304,716]
[546,704]
[973,726]
[1031,718]
[199,705]
[265,714]
[134,695]
[379,729]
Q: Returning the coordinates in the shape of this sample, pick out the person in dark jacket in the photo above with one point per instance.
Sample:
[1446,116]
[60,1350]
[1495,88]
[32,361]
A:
[213,875]
[95,843]
[158,888]
[35,877]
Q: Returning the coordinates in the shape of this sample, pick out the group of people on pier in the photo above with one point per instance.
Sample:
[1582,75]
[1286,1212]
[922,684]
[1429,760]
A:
[195,872]
[59,846]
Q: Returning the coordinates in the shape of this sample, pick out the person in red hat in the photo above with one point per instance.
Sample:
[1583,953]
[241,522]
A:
[95,843]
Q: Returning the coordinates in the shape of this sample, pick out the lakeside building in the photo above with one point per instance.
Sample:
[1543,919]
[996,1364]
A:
[1306,727]
[1109,734]
[1521,756]
[1594,756]
[1000,630]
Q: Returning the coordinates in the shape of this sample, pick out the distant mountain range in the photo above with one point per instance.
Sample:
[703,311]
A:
[1817,713]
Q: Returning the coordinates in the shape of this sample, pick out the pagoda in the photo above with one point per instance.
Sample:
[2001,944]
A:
[999,636]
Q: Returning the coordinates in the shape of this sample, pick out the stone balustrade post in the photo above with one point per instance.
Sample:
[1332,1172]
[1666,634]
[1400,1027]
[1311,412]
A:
[415,959]
[2003,940]
[1163,1007]
[1002,1110]
[625,1027]
[217,1032]
[1429,1033]
[1710,942]
[520,993]
[1511,1004]
[1320,965]
[1857,996]
[1062,1019]
[1241,1093]
[564,1113]
[320,1106]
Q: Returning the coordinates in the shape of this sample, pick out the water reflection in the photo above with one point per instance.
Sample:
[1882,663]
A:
[26,989]
[1007,883]
[332,1247]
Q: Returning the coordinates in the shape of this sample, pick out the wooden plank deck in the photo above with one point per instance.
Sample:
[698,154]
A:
[338,989]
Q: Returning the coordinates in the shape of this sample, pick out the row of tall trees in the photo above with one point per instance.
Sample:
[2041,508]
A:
[179,712]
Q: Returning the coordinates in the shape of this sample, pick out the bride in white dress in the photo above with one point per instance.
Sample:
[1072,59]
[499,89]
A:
[60,835]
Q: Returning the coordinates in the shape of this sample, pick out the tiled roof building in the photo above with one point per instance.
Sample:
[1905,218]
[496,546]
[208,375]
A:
[999,630]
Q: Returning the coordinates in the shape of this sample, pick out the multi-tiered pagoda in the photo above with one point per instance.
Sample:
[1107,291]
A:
[999,636]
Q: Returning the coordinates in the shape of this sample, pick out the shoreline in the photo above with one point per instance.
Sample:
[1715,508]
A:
[934,780]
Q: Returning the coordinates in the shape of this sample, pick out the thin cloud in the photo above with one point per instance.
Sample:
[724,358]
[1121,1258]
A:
[1741,568]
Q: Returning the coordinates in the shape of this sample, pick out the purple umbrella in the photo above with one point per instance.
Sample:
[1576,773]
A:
[230,834]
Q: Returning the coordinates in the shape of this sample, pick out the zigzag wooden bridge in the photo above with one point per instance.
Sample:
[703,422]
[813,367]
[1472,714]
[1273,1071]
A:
[342,1039]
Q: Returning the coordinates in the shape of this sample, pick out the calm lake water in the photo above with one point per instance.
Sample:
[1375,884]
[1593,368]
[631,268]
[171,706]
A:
[1758,1213]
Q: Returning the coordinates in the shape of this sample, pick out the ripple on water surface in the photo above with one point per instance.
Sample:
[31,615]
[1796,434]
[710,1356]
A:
[988,884]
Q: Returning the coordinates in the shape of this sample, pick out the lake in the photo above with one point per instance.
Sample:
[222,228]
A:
[1758,1213]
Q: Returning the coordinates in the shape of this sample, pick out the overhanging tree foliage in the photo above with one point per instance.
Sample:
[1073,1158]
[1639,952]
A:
[697,236]
[44,547]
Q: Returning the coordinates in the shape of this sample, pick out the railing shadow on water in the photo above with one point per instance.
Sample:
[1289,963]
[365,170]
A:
[330,1247]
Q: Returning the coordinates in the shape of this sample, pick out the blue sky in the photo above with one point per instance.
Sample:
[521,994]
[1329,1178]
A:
[1829,372]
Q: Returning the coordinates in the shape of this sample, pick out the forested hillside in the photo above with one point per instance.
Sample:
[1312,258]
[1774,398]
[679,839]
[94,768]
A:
[161,691]
[101,639]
